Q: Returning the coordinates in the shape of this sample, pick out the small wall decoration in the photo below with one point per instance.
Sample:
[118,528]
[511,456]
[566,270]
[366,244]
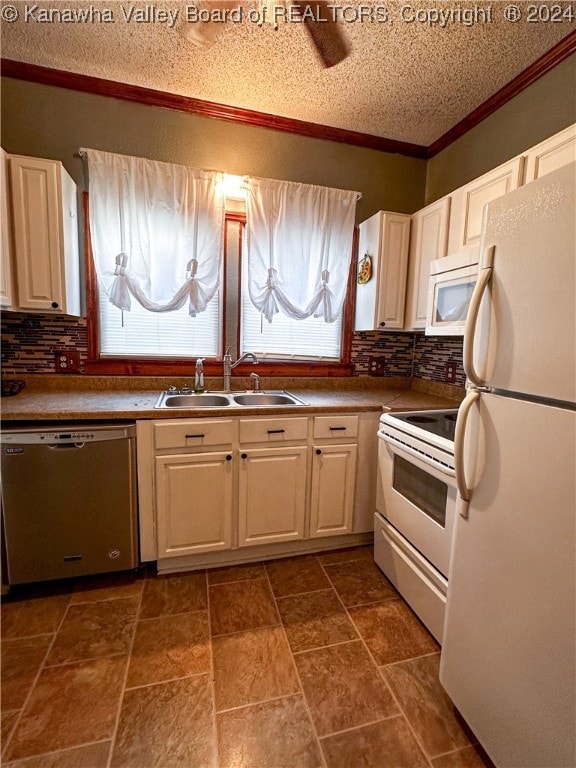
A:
[364,269]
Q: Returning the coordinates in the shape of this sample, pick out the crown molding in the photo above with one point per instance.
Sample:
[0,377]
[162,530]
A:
[153,98]
[566,47]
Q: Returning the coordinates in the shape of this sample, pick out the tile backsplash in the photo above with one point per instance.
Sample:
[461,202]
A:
[382,353]
[29,342]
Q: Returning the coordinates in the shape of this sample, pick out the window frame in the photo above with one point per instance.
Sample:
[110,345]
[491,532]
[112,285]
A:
[173,366]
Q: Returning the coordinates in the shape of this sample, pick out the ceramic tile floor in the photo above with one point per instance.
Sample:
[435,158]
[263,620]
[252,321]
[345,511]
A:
[304,662]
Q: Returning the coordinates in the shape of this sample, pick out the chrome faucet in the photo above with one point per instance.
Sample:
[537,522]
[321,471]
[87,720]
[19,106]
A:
[229,365]
[256,381]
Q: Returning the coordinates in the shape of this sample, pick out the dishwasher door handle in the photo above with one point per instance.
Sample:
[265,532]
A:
[65,446]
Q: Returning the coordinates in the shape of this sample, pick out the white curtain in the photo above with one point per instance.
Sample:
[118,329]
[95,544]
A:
[299,243]
[157,231]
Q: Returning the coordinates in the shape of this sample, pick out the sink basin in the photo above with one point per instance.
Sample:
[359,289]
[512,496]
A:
[170,399]
[267,398]
[207,400]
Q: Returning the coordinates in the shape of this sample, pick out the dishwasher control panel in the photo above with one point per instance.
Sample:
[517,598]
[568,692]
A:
[83,434]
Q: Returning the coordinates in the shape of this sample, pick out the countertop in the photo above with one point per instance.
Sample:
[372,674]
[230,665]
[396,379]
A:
[65,398]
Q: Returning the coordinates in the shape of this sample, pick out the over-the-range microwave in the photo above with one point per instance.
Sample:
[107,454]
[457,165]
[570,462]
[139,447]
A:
[452,281]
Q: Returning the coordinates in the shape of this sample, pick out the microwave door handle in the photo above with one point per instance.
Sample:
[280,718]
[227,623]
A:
[471,319]
[459,434]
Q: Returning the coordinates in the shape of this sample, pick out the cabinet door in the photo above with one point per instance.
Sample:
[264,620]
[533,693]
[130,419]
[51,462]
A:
[467,209]
[6,277]
[333,475]
[393,269]
[38,245]
[428,241]
[193,503]
[272,495]
[549,155]
[380,301]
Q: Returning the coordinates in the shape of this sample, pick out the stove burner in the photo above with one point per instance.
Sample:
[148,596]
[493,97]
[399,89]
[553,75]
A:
[426,425]
[421,419]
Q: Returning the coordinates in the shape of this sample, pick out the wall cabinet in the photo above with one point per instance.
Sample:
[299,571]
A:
[428,241]
[384,237]
[44,220]
[467,207]
[549,155]
[6,275]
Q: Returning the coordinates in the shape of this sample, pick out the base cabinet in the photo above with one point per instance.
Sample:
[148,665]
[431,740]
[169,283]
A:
[194,503]
[272,495]
[332,496]
[216,485]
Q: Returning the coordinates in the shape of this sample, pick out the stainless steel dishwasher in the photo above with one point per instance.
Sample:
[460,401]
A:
[68,501]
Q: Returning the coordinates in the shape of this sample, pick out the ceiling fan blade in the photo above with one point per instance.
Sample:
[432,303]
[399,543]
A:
[324,30]
[205,33]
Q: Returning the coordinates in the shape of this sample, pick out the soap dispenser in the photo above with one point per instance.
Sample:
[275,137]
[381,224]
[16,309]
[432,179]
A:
[199,377]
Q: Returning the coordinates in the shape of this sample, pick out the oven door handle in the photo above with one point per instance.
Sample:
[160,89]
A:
[461,422]
[471,318]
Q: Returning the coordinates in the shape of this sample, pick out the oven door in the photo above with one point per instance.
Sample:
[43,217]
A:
[419,500]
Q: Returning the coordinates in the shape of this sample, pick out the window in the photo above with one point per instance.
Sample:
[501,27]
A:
[285,338]
[158,341]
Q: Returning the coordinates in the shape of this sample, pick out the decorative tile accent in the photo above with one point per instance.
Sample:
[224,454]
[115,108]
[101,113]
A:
[395,349]
[431,353]
[29,341]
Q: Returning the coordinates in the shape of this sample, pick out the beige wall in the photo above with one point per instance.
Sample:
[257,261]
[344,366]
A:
[541,110]
[50,122]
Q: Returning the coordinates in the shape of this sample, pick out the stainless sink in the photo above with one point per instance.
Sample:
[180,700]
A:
[267,398]
[171,399]
[206,400]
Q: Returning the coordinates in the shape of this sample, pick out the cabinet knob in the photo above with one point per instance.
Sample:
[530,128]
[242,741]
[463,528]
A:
[244,455]
[54,305]
[382,324]
[318,451]
[229,457]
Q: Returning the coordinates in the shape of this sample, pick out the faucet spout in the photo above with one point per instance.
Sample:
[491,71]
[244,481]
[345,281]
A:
[229,365]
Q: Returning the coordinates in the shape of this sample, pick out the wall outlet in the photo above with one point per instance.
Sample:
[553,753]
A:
[450,372]
[376,366]
[67,362]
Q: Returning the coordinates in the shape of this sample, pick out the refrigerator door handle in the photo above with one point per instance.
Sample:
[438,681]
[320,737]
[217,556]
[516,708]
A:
[461,422]
[470,328]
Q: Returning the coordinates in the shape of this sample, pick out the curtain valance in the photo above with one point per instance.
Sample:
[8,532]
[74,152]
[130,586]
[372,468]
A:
[157,231]
[299,243]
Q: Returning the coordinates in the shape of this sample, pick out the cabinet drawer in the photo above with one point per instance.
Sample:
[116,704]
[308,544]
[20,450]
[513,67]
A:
[335,426]
[273,430]
[193,434]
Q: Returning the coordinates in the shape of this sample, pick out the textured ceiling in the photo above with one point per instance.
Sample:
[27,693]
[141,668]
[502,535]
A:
[404,80]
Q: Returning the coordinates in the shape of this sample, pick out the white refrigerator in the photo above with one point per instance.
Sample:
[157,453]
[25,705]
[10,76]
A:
[508,658]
